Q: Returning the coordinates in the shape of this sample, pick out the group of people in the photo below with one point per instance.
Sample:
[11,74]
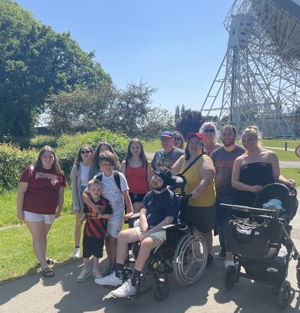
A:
[102,189]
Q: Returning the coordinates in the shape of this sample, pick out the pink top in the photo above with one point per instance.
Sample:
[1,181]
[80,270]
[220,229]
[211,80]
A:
[137,179]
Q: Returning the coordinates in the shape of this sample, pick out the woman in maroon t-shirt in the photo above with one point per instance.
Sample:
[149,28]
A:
[40,200]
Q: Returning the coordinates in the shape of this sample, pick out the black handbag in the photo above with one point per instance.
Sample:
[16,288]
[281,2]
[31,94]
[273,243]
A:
[248,240]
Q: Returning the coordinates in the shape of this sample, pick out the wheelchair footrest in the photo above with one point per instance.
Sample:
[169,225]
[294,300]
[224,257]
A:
[138,295]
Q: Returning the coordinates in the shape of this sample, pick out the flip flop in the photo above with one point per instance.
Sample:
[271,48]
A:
[48,272]
[51,261]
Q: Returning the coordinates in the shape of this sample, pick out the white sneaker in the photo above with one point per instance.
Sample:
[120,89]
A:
[110,280]
[76,253]
[126,290]
[83,275]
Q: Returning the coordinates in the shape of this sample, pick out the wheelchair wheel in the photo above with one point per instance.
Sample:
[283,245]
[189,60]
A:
[189,259]
[160,291]
[228,280]
[284,294]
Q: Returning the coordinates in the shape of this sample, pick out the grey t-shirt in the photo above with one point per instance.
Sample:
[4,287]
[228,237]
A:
[161,158]
[223,163]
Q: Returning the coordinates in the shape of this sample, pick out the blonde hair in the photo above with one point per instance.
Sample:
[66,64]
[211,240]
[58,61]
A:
[255,131]
[94,181]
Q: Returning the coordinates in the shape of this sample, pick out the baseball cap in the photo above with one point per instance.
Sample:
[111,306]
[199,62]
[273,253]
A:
[167,134]
[190,135]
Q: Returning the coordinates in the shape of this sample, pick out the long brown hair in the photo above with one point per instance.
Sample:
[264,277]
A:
[55,166]
[176,132]
[95,158]
[142,155]
[79,156]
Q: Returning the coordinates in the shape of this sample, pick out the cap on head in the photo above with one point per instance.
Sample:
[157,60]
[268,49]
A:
[198,135]
[165,174]
[167,134]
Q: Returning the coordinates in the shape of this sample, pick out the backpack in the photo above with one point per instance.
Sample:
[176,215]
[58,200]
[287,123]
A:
[116,178]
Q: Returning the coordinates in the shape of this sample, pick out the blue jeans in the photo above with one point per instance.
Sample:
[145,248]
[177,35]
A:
[222,218]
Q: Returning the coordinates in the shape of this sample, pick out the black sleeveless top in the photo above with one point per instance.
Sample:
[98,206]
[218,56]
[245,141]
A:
[259,173]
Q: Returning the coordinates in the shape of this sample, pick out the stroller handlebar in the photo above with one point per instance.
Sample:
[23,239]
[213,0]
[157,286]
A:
[250,209]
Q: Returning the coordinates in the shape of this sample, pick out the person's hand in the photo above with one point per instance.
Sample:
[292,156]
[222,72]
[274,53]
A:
[127,216]
[57,214]
[96,209]
[79,223]
[194,194]
[20,215]
[290,182]
[99,215]
[256,188]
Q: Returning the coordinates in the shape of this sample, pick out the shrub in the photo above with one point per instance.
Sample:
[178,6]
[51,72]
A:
[13,161]
[68,146]
[22,142]
[42,140]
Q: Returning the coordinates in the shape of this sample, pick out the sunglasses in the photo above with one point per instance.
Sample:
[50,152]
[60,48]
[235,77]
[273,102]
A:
[210,130]
[177,138]
[85,151]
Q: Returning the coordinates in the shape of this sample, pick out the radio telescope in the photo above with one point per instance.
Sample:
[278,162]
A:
[258,81]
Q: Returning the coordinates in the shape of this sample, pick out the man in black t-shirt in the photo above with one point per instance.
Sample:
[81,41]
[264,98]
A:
[160,208]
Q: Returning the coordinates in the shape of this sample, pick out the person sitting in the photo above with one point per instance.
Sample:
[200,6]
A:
[160,208]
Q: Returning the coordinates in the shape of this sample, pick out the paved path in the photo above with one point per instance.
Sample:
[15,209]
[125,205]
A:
[63,294]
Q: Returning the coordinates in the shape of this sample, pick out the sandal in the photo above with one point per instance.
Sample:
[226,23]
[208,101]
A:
[51,261]
[47,272]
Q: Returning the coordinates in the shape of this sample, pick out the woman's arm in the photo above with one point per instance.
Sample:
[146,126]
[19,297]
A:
[207,174]
[235,179]
[20,199]
[123,168]
[74,176]
[60,202]
[128,204]
[149,175]
[273,159]
[176,165]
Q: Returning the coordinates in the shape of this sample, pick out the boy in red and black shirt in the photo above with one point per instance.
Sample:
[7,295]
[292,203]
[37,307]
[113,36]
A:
[94,230]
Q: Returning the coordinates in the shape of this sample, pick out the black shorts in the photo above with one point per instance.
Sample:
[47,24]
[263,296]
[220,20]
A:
[136,197]
[202,218]
[92,246]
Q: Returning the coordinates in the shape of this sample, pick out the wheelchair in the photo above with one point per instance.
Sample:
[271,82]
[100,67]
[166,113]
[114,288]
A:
[271,267]
[184,253]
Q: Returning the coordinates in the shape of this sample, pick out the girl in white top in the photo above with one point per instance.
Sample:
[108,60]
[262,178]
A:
[79,180]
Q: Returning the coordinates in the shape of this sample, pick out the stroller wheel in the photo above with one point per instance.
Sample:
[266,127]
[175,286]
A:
[160,291]
[284,294]
[228,279]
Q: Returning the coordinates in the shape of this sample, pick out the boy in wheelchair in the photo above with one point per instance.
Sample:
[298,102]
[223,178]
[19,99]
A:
[160,207]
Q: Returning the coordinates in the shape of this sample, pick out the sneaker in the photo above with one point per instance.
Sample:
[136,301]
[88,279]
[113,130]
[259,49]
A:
[110,280]
[76,253]
[222,254]
[83,275]
[209,261]
[126,290]
[96,273]
[108,270]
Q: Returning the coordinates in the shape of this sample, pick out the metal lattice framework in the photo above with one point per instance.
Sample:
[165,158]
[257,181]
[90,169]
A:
[259,77]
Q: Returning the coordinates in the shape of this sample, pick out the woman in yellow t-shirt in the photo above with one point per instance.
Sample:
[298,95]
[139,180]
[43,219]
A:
[200,183]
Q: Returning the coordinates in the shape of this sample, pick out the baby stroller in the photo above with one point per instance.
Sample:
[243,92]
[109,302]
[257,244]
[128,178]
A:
[184,253]
[264,247]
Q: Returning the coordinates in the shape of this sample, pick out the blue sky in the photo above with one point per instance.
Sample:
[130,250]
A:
[175,46]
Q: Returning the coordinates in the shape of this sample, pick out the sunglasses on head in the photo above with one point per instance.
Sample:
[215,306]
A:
[210,130]
[85,151]
[177,138]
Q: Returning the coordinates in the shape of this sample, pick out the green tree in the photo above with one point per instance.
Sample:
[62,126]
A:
[190,121]
[177,113]
[34,62]
[125,110]
[182,109]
